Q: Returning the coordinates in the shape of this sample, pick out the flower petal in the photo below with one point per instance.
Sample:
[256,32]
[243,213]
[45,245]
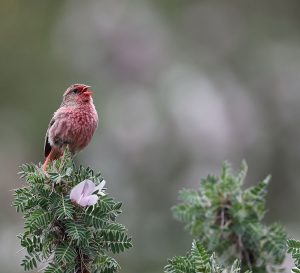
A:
[76,192]
[88,200]
[84,188]
[89,187]
[100,186]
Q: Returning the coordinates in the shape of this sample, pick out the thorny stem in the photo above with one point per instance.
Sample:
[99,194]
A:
[62,161]
[222,218]
[244,252]
[83,267]
[223,215]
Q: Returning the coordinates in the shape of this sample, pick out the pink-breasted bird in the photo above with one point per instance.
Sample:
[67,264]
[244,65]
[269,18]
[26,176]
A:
[73,124]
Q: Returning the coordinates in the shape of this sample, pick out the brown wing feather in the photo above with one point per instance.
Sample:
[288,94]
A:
[47,146]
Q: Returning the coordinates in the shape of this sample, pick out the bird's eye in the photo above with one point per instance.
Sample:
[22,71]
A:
[75,91]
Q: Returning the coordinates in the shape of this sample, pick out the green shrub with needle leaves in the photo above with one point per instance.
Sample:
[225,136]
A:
[198,260]
[294,249]
[228,221]
[59,234]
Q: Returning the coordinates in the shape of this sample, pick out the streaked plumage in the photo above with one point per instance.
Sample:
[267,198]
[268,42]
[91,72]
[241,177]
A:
[73,124]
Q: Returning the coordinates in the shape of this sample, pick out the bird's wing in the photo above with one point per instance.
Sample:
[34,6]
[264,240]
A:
[47,146]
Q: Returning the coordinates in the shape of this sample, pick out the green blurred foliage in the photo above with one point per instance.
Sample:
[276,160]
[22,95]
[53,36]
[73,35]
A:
[198,260]
[228,221]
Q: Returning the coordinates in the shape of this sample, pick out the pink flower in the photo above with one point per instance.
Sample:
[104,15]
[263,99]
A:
[84,194]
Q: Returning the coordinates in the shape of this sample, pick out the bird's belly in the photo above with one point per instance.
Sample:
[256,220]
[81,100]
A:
[80,136]
[81,132]
[75,130]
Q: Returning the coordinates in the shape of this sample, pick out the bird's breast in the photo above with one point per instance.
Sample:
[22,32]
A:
[84,124]
[77,127]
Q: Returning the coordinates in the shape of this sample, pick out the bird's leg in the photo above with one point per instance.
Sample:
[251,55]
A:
[47,161]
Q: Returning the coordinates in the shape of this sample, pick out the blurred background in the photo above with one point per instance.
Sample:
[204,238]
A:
[180,85]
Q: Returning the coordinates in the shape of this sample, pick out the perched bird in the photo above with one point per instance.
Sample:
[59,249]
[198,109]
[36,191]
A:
[73,124]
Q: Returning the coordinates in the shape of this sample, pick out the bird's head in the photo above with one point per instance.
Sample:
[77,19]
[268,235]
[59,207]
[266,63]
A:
[77,94]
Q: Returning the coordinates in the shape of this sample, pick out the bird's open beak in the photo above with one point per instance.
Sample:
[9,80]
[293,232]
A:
[86,91]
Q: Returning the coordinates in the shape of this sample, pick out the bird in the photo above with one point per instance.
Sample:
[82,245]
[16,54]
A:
[72,125]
